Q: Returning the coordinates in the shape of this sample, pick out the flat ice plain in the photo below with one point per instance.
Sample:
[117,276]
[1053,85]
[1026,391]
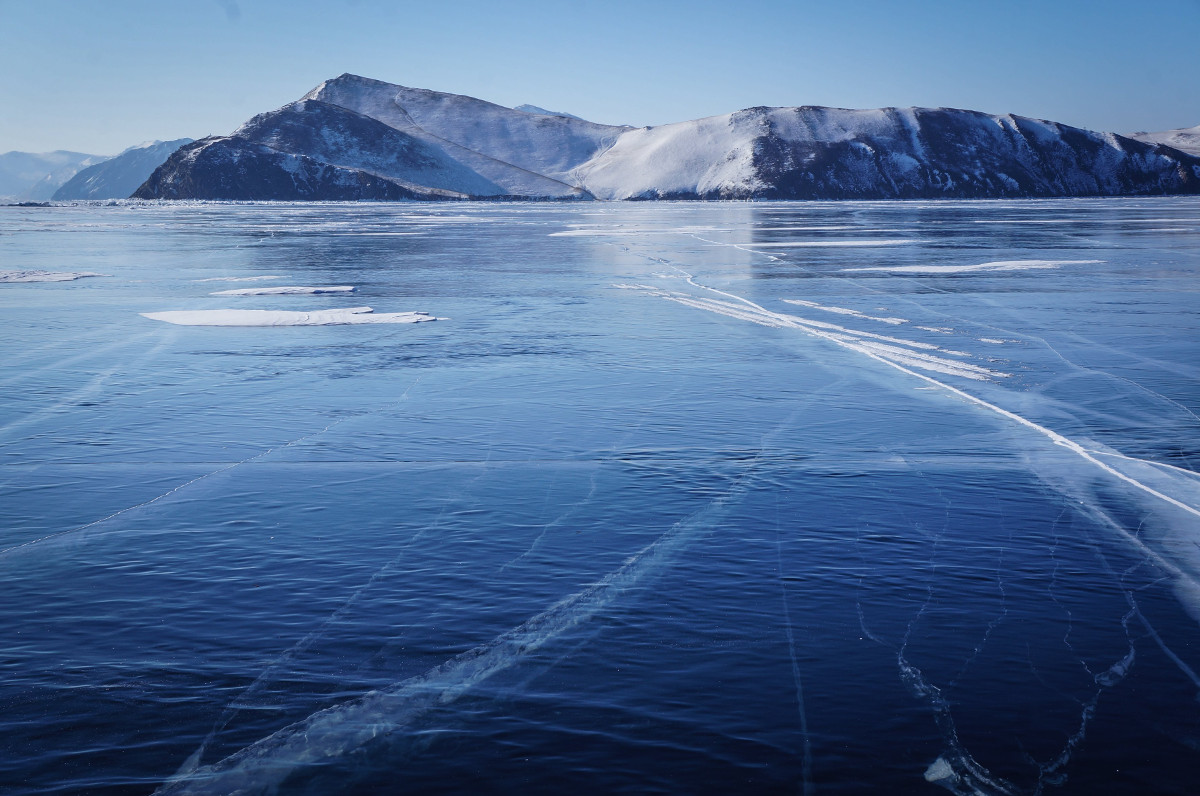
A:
[675,497]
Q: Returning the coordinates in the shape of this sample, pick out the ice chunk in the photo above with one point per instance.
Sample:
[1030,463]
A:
[334,317]
[44,276]
[283,291]
[940,771]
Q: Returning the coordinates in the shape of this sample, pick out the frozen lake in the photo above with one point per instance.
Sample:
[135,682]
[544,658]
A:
[678,498]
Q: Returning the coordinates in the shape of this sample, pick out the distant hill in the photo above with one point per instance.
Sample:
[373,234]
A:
[1186,139]
[118,177]
[357,138]
[29,176]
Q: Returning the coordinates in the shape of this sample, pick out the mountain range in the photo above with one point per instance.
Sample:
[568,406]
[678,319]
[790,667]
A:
[357,138]
[34,176]
[118,177]
[354,138]
[63,175]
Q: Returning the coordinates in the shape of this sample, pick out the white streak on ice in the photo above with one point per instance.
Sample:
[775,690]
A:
[71,532]
[814,228]
[998,265]
[238,279]
[827,243]
[844,311]
[849,338]
[44,276]
[290,290]
[333,317]
[758,314]
[582,233]
[330,733]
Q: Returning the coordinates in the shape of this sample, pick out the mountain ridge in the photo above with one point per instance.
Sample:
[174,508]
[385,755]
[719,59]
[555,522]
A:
[353,137]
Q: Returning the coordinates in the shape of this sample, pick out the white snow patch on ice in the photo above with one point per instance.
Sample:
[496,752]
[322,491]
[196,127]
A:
[44,276]
[334,317]
[290,290]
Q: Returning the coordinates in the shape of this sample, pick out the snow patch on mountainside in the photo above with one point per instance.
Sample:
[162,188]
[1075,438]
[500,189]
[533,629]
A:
[710,157]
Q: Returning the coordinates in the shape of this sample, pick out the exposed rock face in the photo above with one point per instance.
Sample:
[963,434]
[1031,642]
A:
[355,138]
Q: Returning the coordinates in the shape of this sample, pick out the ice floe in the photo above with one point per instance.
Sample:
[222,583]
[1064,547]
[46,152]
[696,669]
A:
[333,317]
[44,276]
[293,290]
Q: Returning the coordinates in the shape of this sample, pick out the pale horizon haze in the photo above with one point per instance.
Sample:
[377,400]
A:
[100,77]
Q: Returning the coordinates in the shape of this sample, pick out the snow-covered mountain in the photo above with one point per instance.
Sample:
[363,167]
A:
[519,151]
[29,176]
[890,153]
[356,138]
[120,176]
[1185,139]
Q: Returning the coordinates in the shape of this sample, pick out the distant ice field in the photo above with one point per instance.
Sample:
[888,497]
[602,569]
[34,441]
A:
[891,497]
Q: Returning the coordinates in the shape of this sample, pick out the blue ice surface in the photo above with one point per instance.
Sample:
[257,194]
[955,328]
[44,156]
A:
[682,497]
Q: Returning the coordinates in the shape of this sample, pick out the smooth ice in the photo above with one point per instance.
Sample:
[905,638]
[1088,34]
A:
[675,497]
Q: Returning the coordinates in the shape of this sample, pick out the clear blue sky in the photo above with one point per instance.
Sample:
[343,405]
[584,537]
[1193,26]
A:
[100,75]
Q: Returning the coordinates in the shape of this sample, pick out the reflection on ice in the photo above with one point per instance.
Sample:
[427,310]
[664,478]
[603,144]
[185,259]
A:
[333,317]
